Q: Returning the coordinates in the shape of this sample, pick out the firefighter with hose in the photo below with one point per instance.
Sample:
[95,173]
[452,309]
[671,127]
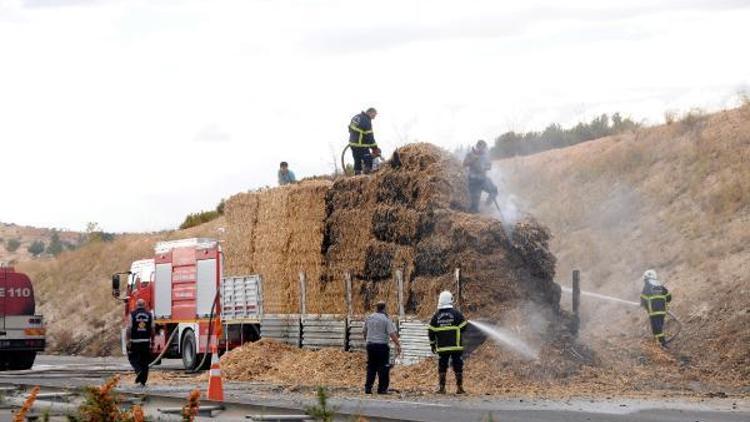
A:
[362,141]
[478,163]
[445,333]
[655,298]
[138,336]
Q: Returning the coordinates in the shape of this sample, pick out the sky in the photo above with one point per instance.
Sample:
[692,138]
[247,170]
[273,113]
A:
[133,114]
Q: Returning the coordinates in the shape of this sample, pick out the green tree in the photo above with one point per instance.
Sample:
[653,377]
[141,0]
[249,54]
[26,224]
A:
[12,245]
[55,245]
[36,247]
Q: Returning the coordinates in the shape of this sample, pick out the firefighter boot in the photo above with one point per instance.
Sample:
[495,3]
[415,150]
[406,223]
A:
[441,383]
[460,383]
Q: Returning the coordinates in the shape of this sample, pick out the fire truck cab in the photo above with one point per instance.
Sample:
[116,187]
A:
[184,289]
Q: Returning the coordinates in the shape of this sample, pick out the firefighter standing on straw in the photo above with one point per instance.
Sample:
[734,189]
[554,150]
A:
[655,298]
[445,331]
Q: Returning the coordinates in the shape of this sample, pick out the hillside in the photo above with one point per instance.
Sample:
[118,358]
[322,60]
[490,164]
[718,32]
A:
[675,198]
[15,241]
[74,291]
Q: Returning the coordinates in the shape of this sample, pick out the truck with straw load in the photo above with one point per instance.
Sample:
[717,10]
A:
[22,331]
[194,306]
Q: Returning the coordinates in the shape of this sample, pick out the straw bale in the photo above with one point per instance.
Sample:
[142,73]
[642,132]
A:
[241,212]
[531,238]
[396,224]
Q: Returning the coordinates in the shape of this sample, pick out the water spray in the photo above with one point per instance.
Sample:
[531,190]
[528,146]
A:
[506,338]
[601,296]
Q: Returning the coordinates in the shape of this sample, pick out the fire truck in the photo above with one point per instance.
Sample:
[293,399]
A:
[193,304]
[22,332]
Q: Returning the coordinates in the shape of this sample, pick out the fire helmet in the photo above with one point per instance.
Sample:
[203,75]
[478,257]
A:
[445,300]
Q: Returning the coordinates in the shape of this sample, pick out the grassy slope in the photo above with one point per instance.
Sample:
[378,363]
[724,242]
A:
[74,294]
[675,198]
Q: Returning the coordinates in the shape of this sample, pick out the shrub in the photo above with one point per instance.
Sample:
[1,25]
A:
[36,248]
[12,245]
[321,411]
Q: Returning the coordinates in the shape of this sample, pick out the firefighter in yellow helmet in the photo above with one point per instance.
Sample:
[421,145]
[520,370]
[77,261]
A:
[445,330]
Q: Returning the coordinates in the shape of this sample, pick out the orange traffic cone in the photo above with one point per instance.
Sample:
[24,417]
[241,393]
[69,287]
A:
[215,385]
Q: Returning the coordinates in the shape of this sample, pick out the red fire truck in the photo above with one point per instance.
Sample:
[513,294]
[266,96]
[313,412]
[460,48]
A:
[21,330]
[185,290]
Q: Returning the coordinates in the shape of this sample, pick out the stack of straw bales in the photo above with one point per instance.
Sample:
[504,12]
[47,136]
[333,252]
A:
[410,215]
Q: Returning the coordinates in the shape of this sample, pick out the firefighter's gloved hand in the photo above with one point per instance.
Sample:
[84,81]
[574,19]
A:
[433,348]
[376,152]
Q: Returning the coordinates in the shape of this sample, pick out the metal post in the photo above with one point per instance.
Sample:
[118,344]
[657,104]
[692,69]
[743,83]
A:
[576,299]
[348,281]
[302,306]
[400,281]
[457,277]
[347,326]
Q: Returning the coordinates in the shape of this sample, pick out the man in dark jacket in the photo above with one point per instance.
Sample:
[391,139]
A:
[655,298]
[445,331]
[478,163]
[362,141]
[139,332]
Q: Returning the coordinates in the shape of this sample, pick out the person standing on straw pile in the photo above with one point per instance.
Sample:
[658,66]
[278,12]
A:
[139,332]
[378,329]
[286,176]
[478,163]
[362,141]
[445,331]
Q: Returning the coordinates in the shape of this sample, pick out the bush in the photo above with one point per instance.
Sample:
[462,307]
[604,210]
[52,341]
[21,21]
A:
[198,218]
[12,245]
[36,248]
[202,217]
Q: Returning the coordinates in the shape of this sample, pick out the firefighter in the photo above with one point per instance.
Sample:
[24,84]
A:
[139,332]
[445,331]
[655,298]
[377,330]
[478,163]
[362,141]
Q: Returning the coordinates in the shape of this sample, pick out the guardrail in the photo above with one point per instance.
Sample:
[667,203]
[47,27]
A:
[415,344]
[285,328]
[324,331]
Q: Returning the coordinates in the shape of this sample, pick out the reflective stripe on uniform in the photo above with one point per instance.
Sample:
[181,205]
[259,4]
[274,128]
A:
[649,298]
[457,329]
[362,134]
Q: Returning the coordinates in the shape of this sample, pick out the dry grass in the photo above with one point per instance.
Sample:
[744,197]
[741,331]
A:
[675,198]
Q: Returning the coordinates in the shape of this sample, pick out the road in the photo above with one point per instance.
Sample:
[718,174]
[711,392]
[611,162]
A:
[71,371]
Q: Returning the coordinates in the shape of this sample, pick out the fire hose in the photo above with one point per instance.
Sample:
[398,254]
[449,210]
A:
[208,337]
[176,330]
[679,328]
[343,165]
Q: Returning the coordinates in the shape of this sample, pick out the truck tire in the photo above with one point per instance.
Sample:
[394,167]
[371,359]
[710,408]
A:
[189,351]
[22,360]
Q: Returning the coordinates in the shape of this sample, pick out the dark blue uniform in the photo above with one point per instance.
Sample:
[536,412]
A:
[141,330]
[445,331]
[361,140]
[655,300]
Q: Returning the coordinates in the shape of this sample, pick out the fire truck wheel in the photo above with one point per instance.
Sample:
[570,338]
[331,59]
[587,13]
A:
[23,360]
[189,350]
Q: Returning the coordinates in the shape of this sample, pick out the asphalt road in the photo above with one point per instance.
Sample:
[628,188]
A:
[72,371]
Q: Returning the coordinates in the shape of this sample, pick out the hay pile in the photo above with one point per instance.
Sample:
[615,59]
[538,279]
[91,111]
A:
[277,233]
[408,216]
[491,370]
